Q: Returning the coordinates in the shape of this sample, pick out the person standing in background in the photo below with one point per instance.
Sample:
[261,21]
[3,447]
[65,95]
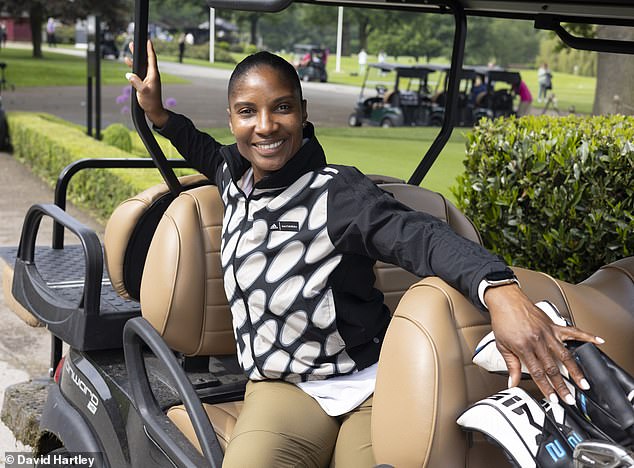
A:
[526,98]
[3,34]
[181,47]
[50,32]
[544,79]
[363,60]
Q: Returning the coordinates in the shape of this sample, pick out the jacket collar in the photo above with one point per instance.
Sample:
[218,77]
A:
[309,157]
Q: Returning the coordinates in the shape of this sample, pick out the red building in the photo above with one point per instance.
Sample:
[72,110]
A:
[17,29]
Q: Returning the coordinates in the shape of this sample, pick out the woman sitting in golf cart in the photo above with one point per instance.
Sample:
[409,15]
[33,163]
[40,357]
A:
[299,241]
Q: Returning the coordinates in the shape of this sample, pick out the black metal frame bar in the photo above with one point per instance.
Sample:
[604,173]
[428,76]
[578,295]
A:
[553,23]
[61,188]
[138,333]
[453,85]
[141,13]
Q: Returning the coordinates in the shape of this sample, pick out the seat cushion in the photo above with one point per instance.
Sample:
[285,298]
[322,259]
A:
[223,418]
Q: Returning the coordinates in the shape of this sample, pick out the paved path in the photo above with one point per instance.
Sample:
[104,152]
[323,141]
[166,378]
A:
[24,351]
[204,99]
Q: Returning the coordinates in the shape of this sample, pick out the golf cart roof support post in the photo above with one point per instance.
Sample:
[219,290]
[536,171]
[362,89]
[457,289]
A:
[141,13]
[457,57]
[552,23]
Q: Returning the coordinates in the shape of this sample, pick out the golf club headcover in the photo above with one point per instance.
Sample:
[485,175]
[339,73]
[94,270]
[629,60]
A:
[531,434]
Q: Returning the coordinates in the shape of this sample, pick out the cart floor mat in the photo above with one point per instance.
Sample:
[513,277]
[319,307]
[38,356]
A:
[64,270]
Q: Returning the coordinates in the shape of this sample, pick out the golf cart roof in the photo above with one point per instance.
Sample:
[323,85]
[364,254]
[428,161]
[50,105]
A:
[409,71]
[307,48]
[497,74]
[576,11]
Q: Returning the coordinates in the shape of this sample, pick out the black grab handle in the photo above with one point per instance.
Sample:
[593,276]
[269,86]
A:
[141,12]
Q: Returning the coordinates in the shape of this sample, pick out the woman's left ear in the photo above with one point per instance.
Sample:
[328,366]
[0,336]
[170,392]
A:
[304,111]
[230,126]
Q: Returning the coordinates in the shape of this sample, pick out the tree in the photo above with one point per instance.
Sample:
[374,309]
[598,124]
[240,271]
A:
[418,35]
[614,95]
[112,11]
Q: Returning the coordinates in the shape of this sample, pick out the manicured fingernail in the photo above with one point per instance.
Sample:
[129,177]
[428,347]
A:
[510,382]
[553,398]
[584,384]
[128,76]
[599,339]
[569,399]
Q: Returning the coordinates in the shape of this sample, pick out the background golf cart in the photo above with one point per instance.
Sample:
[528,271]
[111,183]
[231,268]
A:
[403,96]
[310,62]
[424,378]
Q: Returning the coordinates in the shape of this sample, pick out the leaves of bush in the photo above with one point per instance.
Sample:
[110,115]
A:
[550,193]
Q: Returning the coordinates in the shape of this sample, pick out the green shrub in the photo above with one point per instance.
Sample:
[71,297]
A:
[199,51]
[552,194]
[48,145]
[118,135]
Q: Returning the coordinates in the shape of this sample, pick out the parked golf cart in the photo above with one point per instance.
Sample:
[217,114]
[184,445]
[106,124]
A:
[403,96]
[156,383]
[496,99]
[311,62]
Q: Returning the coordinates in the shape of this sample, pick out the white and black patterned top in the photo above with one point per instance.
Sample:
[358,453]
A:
[298,255]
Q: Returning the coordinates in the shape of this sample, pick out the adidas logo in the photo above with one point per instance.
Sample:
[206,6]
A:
[290,226]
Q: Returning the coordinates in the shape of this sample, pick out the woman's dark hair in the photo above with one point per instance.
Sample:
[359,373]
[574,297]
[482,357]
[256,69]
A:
[264,58]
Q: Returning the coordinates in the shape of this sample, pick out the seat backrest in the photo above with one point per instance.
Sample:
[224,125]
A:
[129,232]
[393,281]
[426,377]
[177,276]
[182,292]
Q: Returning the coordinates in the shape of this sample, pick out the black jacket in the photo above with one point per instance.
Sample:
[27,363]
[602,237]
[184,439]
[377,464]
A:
[298,256]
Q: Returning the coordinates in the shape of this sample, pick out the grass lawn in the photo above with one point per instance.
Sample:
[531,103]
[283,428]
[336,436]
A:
[61,70]
[387,151]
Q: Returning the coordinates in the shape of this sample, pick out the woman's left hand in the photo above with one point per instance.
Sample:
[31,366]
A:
[525,334]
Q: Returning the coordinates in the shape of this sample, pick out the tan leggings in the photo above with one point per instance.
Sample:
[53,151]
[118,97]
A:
[281,426]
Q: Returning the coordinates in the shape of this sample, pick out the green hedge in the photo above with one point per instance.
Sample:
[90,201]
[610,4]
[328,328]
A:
[553,194]
[47,145]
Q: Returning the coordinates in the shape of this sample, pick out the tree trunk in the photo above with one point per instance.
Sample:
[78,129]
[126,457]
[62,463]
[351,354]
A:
[345,35]
[615,75]
[364,31]
[36,18]
[254,28]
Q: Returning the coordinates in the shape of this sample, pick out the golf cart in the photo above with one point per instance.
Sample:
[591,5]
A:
[499,92]
[150,376]
[310,62]
[483,92]
[402,97]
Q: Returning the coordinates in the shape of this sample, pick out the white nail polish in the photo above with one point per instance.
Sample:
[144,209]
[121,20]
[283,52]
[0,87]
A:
[510,382]
[569,399]
[553,398]
[128,76]
[584,384]
[599,339]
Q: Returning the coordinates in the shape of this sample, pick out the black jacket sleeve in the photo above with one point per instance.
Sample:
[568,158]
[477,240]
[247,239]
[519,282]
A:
[365,220]
[199,148]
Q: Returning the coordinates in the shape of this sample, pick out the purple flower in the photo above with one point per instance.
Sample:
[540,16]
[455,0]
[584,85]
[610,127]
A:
[170,102]
[125,110]
[127,91]
[122,99]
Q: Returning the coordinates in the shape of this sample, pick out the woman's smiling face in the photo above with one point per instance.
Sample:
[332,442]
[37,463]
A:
[266,116]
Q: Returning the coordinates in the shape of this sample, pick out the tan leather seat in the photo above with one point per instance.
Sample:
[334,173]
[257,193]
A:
[179,307]
[426,377]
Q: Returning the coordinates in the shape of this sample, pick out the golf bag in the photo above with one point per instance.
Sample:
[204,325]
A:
[597,431]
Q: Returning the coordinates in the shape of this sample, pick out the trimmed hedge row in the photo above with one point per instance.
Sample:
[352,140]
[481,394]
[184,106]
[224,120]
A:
[48,144]
[552,194]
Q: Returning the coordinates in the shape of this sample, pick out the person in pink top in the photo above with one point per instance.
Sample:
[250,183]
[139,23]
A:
[526,98]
